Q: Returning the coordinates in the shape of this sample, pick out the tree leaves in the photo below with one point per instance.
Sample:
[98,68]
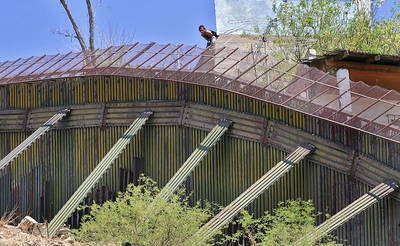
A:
[326,25]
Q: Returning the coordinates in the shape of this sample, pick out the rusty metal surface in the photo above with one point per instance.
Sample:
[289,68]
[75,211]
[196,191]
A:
[372,109]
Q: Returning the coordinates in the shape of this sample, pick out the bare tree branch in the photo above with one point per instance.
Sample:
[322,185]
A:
[77,32]
[114,35]
[91,24]
[63,33]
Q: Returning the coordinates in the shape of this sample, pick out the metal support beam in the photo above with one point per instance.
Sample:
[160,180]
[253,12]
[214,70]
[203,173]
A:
[248,196]
[368,107]
[349,104]
[278,93]
[356,207]
[92,60]
[336,98]
[306,88]
[195,158]
[32,138]
[380,115]
[227,70]
[70,206]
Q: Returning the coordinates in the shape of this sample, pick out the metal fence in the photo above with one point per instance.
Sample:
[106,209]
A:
[367,108]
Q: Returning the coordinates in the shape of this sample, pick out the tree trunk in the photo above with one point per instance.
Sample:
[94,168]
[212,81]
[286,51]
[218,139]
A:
[91,25]
[77,32]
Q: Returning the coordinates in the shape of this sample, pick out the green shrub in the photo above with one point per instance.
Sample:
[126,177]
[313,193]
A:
[326,25]
[289,222]
[137,217]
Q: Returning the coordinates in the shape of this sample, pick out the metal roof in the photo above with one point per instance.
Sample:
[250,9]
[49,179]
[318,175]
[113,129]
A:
[296,86]
[357,56]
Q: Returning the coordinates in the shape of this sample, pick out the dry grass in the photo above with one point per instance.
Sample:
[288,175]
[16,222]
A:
[8,218]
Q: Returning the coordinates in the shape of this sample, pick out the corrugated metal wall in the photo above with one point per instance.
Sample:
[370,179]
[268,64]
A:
[45,175]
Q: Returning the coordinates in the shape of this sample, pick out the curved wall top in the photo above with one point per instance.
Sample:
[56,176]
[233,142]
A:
[374,110]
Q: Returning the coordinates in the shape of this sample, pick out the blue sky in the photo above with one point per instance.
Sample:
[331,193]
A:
[26,24]
[386,9]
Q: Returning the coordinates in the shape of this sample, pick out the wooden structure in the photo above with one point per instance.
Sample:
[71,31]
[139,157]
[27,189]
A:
[106,90]
[373,69]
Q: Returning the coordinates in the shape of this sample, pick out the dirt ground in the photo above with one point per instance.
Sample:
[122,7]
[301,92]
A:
[12,235]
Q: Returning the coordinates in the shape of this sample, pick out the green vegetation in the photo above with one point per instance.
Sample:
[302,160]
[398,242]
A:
[137,217]
[289,222]
[326,25]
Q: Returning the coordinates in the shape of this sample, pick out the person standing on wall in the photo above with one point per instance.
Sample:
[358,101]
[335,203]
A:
[210,36]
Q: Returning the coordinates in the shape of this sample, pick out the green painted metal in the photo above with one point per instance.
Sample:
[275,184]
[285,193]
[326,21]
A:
[96,174]
[32,138]
[195,158]
[256,189]
[40,180]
